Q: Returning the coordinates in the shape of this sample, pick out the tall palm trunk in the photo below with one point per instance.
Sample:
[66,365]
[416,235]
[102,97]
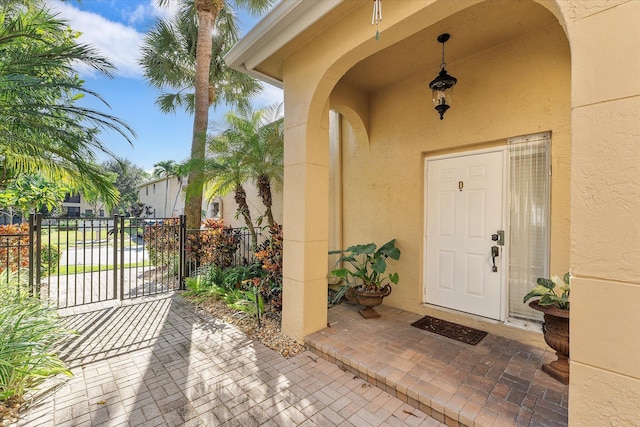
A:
[264,191]
[243,209]
[207,13]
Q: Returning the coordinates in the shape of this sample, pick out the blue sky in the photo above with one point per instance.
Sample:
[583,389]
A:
[116,28]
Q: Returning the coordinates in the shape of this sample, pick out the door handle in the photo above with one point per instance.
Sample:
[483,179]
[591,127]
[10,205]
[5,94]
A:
[495,252]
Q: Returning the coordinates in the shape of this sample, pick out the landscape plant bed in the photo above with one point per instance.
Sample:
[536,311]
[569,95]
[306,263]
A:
[9,411]
[269,333]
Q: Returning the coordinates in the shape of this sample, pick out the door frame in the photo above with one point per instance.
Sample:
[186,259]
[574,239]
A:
[504,255]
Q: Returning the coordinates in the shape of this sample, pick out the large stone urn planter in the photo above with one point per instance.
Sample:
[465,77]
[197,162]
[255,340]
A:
[556,335]
[368,299]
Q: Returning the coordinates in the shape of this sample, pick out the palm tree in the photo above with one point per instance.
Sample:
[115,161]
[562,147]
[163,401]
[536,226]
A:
[246,150]
[165,169]
[258,140]
[265,157]
[42,130]
[186,55]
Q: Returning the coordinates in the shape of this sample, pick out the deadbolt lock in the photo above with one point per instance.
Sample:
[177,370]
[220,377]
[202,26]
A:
[498,237]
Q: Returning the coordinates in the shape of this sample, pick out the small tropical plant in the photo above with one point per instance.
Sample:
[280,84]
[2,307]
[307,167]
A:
[270,255]
[552,292]
[50,259]
[29,332]
[367,265]
[250,302]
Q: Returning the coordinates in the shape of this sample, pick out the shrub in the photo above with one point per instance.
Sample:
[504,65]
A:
[236,286]
[29,332]
[270,256]
[50,258]
[162,241]
[14,247]
[216,244]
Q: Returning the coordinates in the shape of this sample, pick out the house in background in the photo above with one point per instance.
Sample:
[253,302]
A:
[169,192]
[541,142]
[76,206]
[165,196]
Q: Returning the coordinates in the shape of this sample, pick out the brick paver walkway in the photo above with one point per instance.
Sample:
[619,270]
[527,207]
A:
[160,361]
[495,383]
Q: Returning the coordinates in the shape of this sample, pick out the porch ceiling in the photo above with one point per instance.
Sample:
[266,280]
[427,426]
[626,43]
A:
[473,30]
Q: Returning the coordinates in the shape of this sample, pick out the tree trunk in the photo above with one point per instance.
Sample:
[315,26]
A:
[243,209]
[207,13]
[264,191]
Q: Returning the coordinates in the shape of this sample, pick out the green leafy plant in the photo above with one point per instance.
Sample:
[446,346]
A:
[552,292]
[29,332]
[50,259]
[14,247]
[270,255]
[250,303]
[161,240]
[235,277]
[367,265]
[214,244]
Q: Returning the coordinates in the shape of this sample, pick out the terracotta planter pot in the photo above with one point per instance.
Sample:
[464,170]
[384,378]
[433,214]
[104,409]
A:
[556,335]
[370,299]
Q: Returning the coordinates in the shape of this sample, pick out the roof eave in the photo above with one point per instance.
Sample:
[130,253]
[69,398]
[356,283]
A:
[286,21]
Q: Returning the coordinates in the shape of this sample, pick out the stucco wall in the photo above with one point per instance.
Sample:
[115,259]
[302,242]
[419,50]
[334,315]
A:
[157,201]
[519,88]
[155,197]
[516,88]
[605,201]
[229,207]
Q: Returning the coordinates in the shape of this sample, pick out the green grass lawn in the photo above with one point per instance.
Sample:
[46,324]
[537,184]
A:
[64,238]
[79,269]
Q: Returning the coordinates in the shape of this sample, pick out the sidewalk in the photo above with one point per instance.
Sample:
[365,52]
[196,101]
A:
[160,362]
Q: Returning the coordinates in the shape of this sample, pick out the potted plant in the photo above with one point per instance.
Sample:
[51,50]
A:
[365,273]
[553,301]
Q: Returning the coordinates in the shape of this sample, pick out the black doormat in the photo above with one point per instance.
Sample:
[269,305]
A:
[450,330]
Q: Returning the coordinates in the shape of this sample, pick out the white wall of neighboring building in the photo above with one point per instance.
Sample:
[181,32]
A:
[152,193]
[82,208]
[165,196]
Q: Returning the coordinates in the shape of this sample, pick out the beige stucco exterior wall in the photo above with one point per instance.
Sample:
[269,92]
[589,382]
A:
[586,91]
[605,213]
[495,99]
[383,180]
[229,207]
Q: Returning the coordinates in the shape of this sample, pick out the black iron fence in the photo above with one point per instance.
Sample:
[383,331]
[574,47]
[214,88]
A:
[224,247]
[76,261]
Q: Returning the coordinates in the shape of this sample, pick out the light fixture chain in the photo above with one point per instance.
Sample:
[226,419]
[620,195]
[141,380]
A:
[376,17]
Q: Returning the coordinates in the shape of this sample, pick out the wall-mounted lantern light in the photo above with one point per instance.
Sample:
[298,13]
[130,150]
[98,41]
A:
[442,86]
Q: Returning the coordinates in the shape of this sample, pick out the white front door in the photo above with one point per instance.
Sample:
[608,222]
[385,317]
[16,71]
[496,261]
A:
[464,208]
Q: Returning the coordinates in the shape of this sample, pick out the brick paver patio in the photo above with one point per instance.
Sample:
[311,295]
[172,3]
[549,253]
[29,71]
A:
[159,361]
[498,382]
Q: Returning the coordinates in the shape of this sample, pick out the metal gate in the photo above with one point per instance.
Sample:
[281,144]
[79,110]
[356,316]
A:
[78,261]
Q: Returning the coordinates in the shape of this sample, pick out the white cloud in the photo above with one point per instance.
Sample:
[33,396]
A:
[167,12]
[138,15]
[117,42]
